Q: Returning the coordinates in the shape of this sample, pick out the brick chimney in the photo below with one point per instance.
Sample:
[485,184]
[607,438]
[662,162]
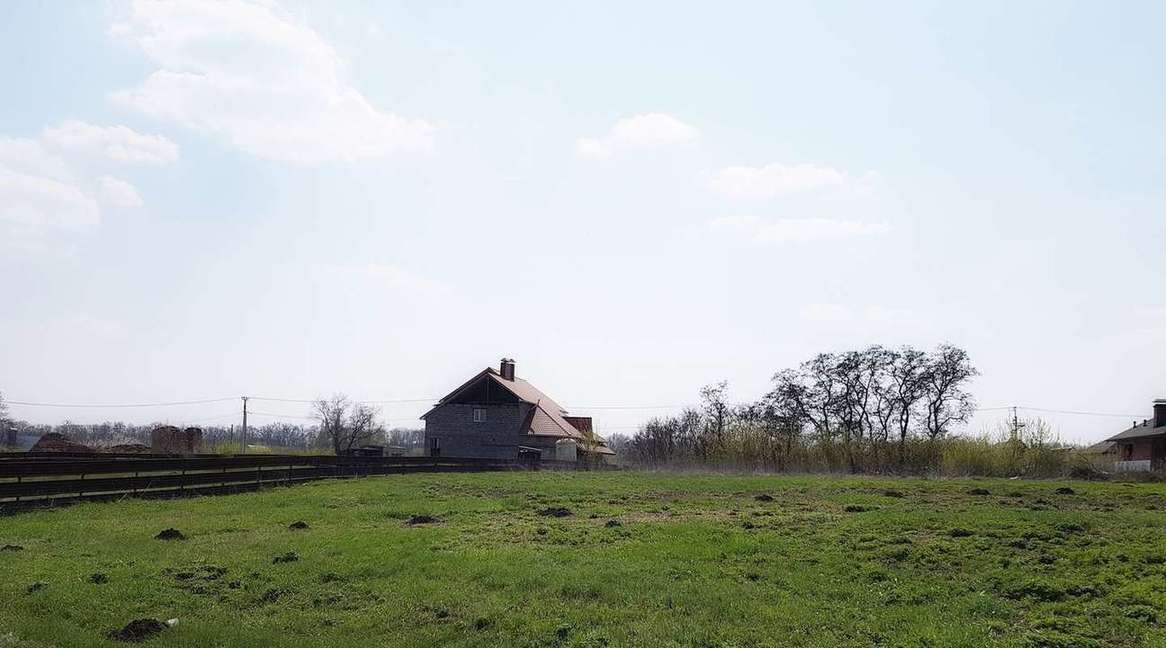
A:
[1159,412]
[507,370]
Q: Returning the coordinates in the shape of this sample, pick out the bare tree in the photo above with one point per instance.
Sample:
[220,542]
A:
[947,401]
[906,375]
[619,443]
[716,416]
[346,424]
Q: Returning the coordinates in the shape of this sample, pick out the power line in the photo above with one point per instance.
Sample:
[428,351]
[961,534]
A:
[430,400]
[312,418]
[121,405]
[314,400]
[1054,411]
[625,407]
[297,416]
[214,418]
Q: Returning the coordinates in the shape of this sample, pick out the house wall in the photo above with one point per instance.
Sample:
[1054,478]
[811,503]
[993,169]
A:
[1142,450]
[498,437]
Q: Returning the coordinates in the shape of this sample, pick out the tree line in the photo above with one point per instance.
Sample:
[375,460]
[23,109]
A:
[862,411]
[341,425]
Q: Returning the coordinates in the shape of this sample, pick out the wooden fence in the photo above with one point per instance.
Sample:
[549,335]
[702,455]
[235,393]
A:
[45,478]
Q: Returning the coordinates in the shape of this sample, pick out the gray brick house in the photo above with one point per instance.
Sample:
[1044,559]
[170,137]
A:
[500,416]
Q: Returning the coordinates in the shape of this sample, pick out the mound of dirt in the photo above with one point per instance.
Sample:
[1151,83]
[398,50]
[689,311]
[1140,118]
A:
[979,491]
[170,534]
[422,519]
[298,525]
[139,630]
[1065,490]
[611,524]
[764,497]
[57,442]
[556,511]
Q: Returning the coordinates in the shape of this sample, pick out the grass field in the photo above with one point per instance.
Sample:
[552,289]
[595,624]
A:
[690,561]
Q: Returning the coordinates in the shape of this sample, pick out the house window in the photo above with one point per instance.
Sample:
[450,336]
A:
[479,415]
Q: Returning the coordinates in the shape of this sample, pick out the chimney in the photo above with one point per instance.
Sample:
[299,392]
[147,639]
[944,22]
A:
[507,369]
[1160,412]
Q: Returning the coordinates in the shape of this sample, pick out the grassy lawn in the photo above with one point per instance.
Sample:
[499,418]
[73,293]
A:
[691,561]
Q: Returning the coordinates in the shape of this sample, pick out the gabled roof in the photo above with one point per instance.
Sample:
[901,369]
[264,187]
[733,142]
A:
[549,418]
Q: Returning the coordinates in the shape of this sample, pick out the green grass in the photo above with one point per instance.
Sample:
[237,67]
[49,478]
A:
[695,561]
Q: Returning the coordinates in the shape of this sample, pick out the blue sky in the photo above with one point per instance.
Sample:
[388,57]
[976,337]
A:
[202,200]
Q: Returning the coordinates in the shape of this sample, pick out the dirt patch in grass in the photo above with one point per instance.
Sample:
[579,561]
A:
[139,630]
[170,534]
[764,497]
[35,587]
[98,578]
[1065,490]
[203,573]
[979,491]
[422,519]
[556,511]
[274,595]
[11,547]
[298,525]
[288,557]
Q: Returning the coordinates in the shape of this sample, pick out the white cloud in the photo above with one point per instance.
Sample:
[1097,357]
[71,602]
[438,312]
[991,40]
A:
[45,187]
[642,132]
[246,72]
[795,230]
[38,193]
[118,193]
[759,183]
[114,143]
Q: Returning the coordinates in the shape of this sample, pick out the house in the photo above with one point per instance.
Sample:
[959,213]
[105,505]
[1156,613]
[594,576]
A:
[1143,446]
[497,415]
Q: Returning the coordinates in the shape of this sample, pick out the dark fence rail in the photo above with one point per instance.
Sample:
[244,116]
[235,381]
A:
[29,479]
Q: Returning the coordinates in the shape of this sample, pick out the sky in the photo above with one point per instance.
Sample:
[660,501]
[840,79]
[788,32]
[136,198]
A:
[204,200]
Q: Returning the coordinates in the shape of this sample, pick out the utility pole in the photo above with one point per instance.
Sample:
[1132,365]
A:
[243,450]
[1016,425]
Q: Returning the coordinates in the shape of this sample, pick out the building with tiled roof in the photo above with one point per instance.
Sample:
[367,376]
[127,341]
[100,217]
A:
[497,415]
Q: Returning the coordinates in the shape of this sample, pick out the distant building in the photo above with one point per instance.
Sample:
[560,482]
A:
[1142,447]
[167,439]
[497,415]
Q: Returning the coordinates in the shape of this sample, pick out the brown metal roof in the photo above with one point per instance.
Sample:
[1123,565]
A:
[581,423]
